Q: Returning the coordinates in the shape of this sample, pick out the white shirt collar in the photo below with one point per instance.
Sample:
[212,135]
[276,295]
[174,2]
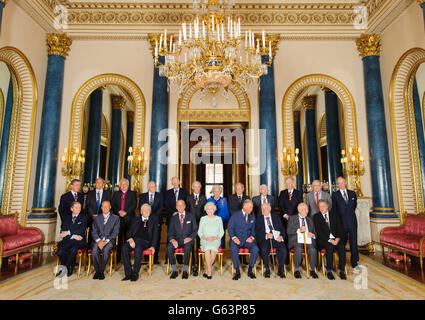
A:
[106,215]
[290,190]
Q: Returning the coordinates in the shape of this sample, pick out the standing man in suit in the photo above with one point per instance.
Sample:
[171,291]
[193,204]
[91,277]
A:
[241,230]
[297,225]
[72,237]
[68,198]
[195,205]
[263,197]
[289,200]
[124,202]
[172,196]
[142,235]
[154,199]
[313,198]
[182,230]
[265,224]
[95,198]
[329,232]
[106,227]
[345,204]
[237,199]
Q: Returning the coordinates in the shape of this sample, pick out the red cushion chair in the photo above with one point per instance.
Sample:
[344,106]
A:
[219,258]
[15,238]
[408,238]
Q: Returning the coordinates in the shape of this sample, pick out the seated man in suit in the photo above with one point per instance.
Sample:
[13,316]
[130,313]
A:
[154,199]
[263,197]
[312,198]
[345,204]
[297,225]
[265,224]
[73,237]
[172,196]
[95,198]
[289,200]
[241,230]
[329,231]
[124,202]
[237,199]
[105,229]
[142,235]
[182,230]
[195,205]
[68,198]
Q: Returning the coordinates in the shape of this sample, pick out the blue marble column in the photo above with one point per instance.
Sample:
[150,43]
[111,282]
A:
[267,111]
[422,2]
[45,176]
[419,131]
[2,4]
[309,105]
[129,142]
[160,100]
[333,140]
[297,136]
[382,192]
[91,170]
[5,134]
[118,103]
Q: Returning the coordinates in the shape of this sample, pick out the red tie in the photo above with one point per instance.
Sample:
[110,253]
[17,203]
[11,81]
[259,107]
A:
[181,222]
[123,200]
[317,199]
[290,195]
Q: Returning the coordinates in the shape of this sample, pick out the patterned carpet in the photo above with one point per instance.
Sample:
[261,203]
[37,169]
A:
[382,283]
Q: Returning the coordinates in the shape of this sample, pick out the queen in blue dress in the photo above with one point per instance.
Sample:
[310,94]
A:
[222,207]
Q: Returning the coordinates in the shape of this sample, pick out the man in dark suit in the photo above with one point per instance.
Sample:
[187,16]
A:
[68,198]
[105,229]
[237,199]
[95,198]
[263,197]
[142,235]
[289,200]
[182,230]
[297,225]
[345,204]
[73,237]
[329,231]
[195,205]
[172,196]
[241,230]
[124,202]
[154,199]
[267,226]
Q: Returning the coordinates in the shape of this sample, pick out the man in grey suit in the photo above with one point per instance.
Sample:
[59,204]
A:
[106,227]
[313,198]
[263,197]
[297,225]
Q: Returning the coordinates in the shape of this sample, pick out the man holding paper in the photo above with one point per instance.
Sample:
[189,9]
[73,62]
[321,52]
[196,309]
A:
[301,231]
[270,233]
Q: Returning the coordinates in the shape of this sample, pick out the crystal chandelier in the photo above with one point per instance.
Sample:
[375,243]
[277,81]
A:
[212,51]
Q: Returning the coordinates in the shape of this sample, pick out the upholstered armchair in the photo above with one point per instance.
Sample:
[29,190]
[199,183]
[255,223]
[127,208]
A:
[15,238]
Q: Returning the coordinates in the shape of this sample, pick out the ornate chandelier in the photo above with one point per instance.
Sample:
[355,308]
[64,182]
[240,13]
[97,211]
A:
[212,51]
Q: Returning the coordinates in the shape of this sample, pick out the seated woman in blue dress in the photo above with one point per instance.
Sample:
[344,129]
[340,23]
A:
[222,208]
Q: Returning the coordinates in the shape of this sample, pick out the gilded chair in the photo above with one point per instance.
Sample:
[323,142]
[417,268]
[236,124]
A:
[322,261]
[201,259]
[244,252]
[291,261]
[179,251]
[271,253]
[112,259]
[149,262]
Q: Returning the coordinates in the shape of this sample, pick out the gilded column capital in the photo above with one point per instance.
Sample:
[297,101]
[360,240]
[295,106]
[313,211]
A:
[297,116]
[420,2]
[309,102]
[117,102]
[130,116]
[369,45]
[153,39]
[58,44]
[273,38]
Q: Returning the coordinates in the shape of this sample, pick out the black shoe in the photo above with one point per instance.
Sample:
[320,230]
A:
[101,276]
[236,276]
[96,275]
[126,278]
[69,273]
[267,274]
[195,272]
[205,275]
[330,276]
[174,275]
[313,274]
[185,275]
[209,277]
[281,274]
[134,277]
[297,275]
[251,274]
[342,275]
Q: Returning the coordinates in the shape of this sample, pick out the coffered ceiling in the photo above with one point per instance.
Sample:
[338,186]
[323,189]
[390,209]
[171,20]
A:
[293,19]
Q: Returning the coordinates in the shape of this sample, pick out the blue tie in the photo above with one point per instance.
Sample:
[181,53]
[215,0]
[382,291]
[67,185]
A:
[98,202]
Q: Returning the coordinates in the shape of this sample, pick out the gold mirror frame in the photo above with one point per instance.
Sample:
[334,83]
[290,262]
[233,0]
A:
[21,142]
[405,147]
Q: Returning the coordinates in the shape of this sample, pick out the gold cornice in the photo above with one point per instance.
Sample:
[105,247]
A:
[309,102]
[274,38]
[117,102]
[58,44]
[369,45]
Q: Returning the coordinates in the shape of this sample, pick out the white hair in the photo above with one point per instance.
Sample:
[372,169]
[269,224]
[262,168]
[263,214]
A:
[144,206]
[210,204]
[217,187]
[196,182]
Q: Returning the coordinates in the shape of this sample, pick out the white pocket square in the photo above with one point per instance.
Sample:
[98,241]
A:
[79,222]
[188,222]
